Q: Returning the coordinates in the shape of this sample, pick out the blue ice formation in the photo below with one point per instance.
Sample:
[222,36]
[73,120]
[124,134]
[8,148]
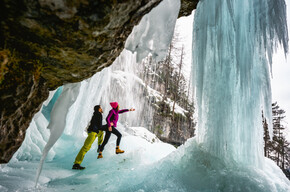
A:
[46,109]
[233,44]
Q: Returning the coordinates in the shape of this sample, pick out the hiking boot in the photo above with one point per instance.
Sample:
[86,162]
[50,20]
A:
[119,150]
[100,155]
[78,166]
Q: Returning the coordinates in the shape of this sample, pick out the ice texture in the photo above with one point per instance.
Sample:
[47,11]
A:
[58,119]
[47,108]
[154,32]
[107,174]
[233,44]
[225,155]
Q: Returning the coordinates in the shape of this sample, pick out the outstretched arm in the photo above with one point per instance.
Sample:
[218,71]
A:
[126,110]
[123,111]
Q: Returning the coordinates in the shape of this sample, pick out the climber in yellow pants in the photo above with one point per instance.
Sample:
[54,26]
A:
[87,145]
[94,130]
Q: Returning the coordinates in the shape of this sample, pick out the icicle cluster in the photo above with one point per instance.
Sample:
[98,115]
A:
[233,45]
[154,32]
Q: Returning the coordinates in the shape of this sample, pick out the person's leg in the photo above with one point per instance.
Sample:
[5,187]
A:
[100,139]
[119,136]
[105,141]
[86,147]
[107,137]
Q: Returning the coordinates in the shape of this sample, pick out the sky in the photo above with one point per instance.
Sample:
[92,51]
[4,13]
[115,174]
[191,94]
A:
[184,28]
[281,78]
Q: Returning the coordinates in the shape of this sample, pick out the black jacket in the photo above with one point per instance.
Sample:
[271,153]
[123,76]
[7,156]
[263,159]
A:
[96,122]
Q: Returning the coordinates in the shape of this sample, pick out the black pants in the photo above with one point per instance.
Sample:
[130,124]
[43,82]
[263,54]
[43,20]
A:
[108,135]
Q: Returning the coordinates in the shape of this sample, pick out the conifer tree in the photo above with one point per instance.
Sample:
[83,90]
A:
[278,148]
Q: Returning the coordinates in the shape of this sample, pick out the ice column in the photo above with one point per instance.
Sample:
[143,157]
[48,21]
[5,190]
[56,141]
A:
[58,119]
[233,43]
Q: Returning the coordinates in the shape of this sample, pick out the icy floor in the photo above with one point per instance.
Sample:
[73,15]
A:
[142,168]
[142,150]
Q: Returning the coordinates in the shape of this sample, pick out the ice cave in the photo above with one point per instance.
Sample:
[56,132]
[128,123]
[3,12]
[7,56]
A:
[233,43]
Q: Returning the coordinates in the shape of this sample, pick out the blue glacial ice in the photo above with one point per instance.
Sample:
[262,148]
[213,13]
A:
[232,58]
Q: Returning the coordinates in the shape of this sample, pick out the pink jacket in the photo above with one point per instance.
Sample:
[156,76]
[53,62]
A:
[113,116]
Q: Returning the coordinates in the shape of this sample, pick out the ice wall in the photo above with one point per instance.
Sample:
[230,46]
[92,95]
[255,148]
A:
[37,134]
[154,32]
[233,44]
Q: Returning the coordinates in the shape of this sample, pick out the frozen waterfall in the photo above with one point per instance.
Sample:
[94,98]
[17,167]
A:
[232,56]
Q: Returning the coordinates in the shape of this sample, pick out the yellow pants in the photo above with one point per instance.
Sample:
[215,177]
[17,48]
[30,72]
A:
[87,145]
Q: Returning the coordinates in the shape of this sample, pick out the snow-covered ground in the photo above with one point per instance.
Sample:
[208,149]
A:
[142,149]
[146,165]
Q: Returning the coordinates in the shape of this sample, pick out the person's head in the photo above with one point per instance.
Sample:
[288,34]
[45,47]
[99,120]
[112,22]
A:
[98,108]
[115,105]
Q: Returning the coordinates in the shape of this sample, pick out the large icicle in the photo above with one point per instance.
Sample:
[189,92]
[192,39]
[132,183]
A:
[233,43]
[58,119]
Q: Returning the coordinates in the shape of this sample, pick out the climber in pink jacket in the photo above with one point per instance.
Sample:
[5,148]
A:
[112,120]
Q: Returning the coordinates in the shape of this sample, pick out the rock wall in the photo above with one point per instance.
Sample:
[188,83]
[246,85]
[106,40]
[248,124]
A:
[175,132]
[47,43]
